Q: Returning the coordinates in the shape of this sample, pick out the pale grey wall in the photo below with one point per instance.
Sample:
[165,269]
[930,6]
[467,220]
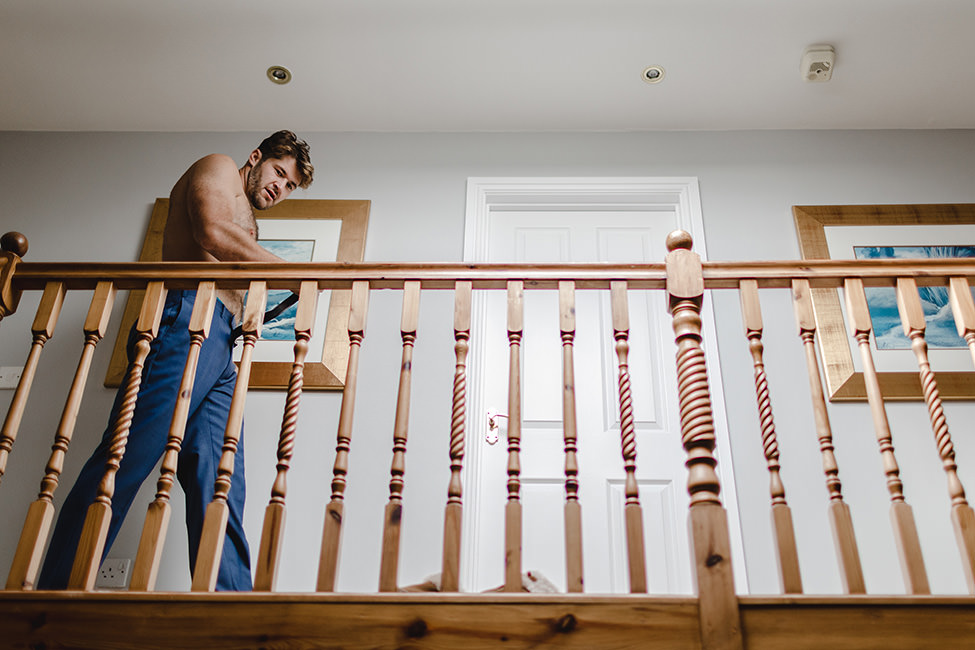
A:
[87,197]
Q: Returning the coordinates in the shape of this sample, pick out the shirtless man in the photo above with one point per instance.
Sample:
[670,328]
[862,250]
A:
[210,219]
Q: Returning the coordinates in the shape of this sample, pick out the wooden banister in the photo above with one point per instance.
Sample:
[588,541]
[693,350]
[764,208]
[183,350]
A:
[335,510]
[573,510]
[27,558]
[93,535]
[962,515]
[785,537]
[633,512]
[719,618]
[217,514]
[272,535]
[392,523]
[723,618]
[453,515]
[901,514]
[829,274]
[841,521]
[512,508]
[43,329]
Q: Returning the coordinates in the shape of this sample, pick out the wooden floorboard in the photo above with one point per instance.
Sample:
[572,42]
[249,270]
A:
[858,623]
[420,621]
[469,622]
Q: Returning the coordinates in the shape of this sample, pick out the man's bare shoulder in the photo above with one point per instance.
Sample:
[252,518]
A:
[216,167]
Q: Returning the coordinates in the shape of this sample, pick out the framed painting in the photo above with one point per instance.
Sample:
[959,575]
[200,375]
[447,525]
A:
[305,230]
[889,231]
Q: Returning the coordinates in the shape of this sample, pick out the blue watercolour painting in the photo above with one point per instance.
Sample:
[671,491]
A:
[940,331]
[282,328]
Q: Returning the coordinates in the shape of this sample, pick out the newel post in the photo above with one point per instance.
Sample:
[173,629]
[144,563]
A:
[13,246]
[708,522]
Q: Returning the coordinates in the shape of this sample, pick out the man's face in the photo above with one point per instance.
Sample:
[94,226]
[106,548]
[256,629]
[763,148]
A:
[271,180]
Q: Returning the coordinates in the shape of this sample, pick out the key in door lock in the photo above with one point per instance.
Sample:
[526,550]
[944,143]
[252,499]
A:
[494,427]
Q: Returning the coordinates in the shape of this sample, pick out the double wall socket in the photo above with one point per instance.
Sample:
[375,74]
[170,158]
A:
[113,574]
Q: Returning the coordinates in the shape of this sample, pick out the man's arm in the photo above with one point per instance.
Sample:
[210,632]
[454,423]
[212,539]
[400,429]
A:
[219,213]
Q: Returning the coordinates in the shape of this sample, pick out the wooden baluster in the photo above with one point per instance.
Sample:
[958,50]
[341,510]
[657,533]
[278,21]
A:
[962,515]
[210,550]
[13,246]
[719,618]
[272,535]
[93,534]
[27,558]
[389,564]
[512,509]
[335,510]
[633,512]
[149,552]
[453,517]
[42,330]
[840,518]
[573,512]
[785,537]
[901,515]
[963,309]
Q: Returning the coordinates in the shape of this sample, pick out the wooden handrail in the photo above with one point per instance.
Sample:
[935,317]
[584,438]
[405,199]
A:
[716,275]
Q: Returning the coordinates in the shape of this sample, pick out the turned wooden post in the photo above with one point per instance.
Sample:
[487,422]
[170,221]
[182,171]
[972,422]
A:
[512,509]
[901,514]
[719,618]
[335,510]
[42,330]
[573,511]
[785,537]
[963,309]
[149,552]
[272,535]
[89,554]
[13,246]
[210,551]
[453,516]
[840,518]
[389,565]
[27,558]
[912,318]
[633,512]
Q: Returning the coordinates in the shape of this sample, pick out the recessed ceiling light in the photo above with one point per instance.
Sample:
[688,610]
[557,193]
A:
[279,74]
[653,74]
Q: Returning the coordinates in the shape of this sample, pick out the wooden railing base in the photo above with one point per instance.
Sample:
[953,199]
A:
[238,620]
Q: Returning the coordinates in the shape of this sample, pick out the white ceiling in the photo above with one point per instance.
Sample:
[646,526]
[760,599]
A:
[482,65]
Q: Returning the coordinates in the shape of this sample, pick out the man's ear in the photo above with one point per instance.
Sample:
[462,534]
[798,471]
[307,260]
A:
[254,158]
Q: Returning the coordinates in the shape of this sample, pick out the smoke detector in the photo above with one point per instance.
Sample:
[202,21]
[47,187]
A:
[817,63]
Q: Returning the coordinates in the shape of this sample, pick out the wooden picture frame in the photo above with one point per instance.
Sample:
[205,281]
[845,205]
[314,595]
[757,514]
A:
[843,382]
[328,373]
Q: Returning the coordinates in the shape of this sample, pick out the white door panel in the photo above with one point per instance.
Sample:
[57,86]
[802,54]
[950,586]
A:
[540,233]
[588,237]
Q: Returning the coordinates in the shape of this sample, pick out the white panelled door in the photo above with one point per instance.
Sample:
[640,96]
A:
[588,233]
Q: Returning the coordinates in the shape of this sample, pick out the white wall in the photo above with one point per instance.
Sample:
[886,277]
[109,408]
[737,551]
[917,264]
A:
[87,197]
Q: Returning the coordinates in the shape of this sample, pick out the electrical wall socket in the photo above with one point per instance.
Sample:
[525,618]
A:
[113,574]
[9,376]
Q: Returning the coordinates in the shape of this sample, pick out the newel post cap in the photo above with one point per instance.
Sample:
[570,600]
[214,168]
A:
[14,242]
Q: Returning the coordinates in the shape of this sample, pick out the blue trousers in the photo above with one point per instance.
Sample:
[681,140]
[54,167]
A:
[198,459]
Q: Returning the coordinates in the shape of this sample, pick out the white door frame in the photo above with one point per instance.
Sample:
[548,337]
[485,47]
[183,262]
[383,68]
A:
[679,194]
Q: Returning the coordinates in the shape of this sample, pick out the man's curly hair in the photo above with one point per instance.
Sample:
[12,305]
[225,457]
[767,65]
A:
[285,143]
